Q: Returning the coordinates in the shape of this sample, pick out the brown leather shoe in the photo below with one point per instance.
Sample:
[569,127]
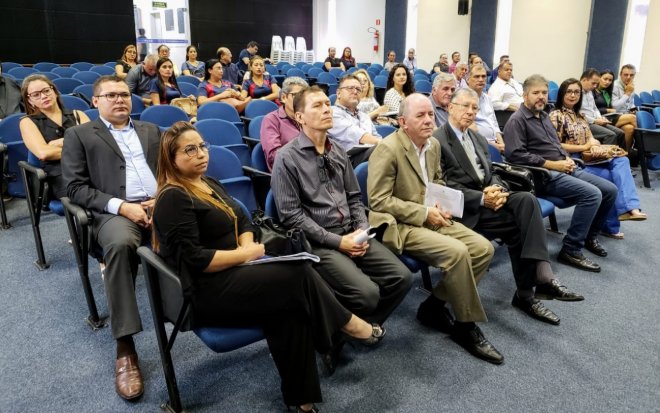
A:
[128,379]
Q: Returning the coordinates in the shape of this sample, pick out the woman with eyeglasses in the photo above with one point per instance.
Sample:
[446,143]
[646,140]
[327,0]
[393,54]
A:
[215,89]
[127,62]
[399,85]
[575,136]
[200,230]
[627,122]
[43,128]
[368,103]
[260,85]
[164,87]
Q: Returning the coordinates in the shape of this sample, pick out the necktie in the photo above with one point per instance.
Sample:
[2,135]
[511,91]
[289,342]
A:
[472,155]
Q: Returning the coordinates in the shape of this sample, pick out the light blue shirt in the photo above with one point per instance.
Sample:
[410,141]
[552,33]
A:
[485,120]
[349,127]
[140,181]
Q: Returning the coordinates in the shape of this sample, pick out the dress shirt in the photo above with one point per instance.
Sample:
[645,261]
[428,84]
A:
[389,65]
[411,64]
[348,126]
[589,109]
[441,114]
[620,101]
[140,181]
[471,153]
[322,208]
[503,93]
[529,140]
[277,129]
[571,128]
[485,120]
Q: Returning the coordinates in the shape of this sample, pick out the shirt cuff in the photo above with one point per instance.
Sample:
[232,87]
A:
[113,205]
[333,240]
[481,202]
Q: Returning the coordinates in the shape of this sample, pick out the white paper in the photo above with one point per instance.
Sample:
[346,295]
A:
[445,198]
[364,236]
[266,259]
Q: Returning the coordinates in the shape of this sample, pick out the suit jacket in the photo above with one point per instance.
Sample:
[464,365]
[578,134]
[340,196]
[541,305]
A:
[95,169]
[396,186]
[459,172]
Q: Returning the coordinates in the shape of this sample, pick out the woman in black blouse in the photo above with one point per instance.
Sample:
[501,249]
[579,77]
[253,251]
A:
[127,62]
[201,231]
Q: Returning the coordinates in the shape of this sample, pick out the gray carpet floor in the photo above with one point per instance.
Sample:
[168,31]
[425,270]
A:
[604,357]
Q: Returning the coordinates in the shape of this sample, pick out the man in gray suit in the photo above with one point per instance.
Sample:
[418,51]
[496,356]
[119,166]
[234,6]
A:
[110,167]
[491,210]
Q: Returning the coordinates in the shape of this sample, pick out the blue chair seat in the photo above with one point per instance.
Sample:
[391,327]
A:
[547,207]
[224,339]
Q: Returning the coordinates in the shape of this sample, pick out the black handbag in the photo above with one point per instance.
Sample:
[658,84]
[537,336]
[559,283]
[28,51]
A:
[518,179]
[277,239]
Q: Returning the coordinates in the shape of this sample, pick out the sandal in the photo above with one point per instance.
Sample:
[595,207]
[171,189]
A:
[377,334]
[618,235]
[633,217]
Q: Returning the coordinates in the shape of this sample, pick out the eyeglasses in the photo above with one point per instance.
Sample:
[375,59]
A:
[467,106]
[573,92]
[357,89]
[193,150]
[45,91]
[326,171]
[112,97]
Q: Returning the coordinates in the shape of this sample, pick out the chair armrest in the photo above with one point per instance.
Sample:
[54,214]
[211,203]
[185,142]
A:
[251,142]
[83,216]
[34,170]
[539,173]
[253,172]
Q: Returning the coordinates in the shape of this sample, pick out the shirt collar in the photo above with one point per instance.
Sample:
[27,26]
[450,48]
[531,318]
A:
[304,142]
[529,114]
[110,127]
[354,113]
[457,131]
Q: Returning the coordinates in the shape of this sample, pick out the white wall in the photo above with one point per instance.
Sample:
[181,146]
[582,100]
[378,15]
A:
[548,39]
[647,78]
[353,18]
[440,30]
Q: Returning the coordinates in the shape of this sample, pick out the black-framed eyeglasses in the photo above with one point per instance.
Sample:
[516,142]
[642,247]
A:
[326,171]
[47,91]
[193,150]
[573,91]
[112,97]
[357,89]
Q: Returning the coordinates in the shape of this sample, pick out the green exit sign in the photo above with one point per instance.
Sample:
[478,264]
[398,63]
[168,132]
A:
[159,4]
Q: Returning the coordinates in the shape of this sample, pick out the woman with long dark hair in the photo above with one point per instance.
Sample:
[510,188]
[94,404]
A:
[347,58]
[260,85]
[192,67]
[200,230]
[164,87]
[627,122]
[399,85]
[575,136]
[215,89]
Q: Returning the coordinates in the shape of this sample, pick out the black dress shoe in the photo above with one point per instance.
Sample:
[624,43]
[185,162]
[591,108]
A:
[437,317]
[475,343]
[594,246]
[555,291]
[578,261]
[535,309]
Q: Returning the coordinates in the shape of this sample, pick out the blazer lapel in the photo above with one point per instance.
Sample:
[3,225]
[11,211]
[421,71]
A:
[142,135]
[460,154]
[411,155]
[105,135]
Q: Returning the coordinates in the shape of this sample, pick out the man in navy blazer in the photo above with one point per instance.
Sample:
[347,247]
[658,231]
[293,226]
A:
[110,167]
[495,212]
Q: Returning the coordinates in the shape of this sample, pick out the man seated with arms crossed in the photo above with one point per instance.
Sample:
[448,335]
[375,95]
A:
[280,127]
[399,172]
[600,127]
[531,139]
[444,86]
[351,127]
[506,92]
[485,123]
[140,77]
[110,167]
[493,211]
[315,189]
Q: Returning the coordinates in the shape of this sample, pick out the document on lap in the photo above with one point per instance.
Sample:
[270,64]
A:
[365,235]
[444,198]
[359,148]
[266,259]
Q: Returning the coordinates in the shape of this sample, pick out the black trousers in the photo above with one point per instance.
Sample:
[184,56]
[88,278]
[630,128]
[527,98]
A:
[371,286]
[520,225]
[293,305]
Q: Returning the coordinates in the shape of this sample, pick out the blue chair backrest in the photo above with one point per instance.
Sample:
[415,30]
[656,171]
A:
[336,72]
[7,66]
[188,79]
[219,132]
[163,115]
[385,130]
[82,66]
[421,72]
[362,173]
[49,75]
[85,90]
[352,70]
[645,120]
[187,89]
[270,208]
[295,72]
[314,72]
[87,77]
[223,163]
[137,105]
[9,130]
[374,71]
[384,73]
[656,95]
[45,66]
[103,70]
[259,108]
[254,128]
[306,67]
[218,110]
[646,97]
[495,155]
[637,100]
[552,94]
[552,85]
[285,68]
[16,152]
[420,76]
[433,75]
[280,65]
[326,78]
[299,65]
[65,71]
[240,203]
[110,64]
[259,159]
[92,114]
[656,114]
[66,85]
[376,66]
[363,65]
[318,64]
[21,72]
[423,86]
[272,70]
[333,98]
[380,82]
[74,103]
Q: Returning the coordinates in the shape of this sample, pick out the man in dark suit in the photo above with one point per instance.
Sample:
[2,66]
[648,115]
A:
[493,211]
[110,166]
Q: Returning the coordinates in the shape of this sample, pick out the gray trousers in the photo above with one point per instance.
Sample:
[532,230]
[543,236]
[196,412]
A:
[608,135]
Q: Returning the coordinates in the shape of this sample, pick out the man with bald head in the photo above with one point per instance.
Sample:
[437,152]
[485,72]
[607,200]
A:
[230,71]
[400,170]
